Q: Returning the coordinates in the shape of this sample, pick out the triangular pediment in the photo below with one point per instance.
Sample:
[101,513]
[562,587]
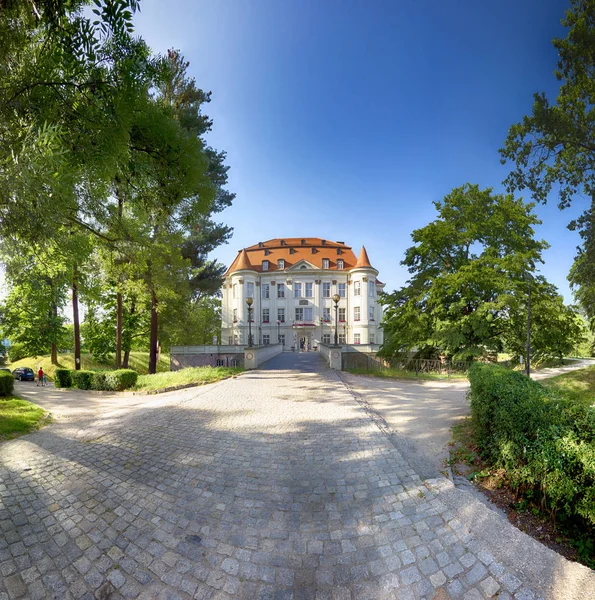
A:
[303,265]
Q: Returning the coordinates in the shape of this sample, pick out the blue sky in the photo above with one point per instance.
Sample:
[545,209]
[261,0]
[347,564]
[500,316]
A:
[346,119]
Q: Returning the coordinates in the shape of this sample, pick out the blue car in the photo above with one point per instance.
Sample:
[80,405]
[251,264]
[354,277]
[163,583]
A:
[24,374]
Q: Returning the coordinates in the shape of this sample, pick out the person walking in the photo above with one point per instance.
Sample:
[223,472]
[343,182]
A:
[40,376]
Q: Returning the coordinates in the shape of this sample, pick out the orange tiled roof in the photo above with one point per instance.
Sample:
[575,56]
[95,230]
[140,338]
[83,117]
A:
[292,251]
[363,260]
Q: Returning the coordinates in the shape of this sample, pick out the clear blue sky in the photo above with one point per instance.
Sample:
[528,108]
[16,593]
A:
[345,119]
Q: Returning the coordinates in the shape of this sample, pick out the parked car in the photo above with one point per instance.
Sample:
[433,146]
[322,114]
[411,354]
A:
[24,374]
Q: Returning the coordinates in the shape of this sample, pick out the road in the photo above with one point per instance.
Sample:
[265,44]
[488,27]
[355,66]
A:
[278,484]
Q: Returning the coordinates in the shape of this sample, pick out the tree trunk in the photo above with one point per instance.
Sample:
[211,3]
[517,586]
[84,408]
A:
[54,348]
[126,359]
[153,338]
[75,320]
[118,330]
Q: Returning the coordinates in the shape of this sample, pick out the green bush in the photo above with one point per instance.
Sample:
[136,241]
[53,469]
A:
[63,378]
[99,382]
[6,383]
[544,442]
[122,379]
[82,379]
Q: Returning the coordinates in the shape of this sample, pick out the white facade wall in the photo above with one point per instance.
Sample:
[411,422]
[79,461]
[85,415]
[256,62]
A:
[312,328]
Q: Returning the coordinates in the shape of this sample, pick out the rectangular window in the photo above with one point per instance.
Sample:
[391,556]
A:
[357,288]
[299,314]
[326,263]
[372,338]
[326,313]
[281,264]
[281,315]
[371,288]
[266,290]
[282,339]
[308,315]
[356,313]
[235,315]
[309,292]
[297,290]
[230,340]
[341,338]
[342,315]
[235,290]
[356,338]
[342,290]
[265,315]
[249,290]
[266,339]
[265,265]
[340,264]
[326,290]
[371,313]
[280,290]
[220,362]
[326,338]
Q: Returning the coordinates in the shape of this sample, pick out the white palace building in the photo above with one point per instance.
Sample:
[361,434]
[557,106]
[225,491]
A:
[300,292]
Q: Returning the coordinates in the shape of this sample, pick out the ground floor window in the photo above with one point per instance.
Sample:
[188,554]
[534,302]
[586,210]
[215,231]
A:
[341,338]
[372,338]
[282,339]
[266,339]
[326,338]
[356,338]
[220,362]
[230,340]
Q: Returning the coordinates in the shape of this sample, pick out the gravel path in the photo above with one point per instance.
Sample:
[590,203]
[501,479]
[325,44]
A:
[274,485]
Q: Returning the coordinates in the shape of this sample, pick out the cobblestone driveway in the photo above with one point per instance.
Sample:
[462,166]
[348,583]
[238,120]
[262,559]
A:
[274,485]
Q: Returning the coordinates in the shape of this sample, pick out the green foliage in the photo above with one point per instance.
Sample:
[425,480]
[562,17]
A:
[188,376]
[16,352]
[6,383]
[119,380]
[82,379]
[19,416]
[466,274]
[544,442]
[63,378]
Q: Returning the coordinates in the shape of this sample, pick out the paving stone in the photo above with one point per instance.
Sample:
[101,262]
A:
[275,485]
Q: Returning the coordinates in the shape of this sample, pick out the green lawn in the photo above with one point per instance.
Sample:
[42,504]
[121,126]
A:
[402,374]
[195,375]
[139,361]
[19,416]
[577,385]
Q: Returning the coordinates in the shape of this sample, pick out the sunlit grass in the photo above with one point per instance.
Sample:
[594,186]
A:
[19,416]
[578,385]
[139,361]
[191,375]
[403,374]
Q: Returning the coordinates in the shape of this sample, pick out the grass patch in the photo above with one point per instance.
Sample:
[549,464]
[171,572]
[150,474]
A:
[410,375]
[139,361]
[19,416]
[578,386]
[191,375]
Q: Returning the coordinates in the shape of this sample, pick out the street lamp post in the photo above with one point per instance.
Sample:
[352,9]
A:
[249,302]
[528,363]
[336,299]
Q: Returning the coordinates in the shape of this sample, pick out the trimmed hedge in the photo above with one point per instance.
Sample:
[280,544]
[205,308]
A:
[63,378]
[82,379]
[6,383]
[116,381]
[545,442]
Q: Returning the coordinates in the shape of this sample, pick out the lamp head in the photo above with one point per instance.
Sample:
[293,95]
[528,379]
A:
[249,301]
[336,298]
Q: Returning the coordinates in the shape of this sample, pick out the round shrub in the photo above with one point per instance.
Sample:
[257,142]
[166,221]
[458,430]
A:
[82,379]
[63,378]
[121,379]
[6,383]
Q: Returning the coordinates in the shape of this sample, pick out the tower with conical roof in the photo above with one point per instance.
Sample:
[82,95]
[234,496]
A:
[363,298]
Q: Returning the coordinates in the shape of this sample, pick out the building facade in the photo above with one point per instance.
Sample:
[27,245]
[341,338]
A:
[292,282]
